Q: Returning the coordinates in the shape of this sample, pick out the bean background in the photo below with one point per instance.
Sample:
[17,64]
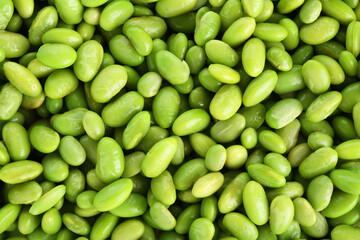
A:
[179,119]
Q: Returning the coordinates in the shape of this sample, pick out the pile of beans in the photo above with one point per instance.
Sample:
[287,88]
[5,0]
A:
[179,119]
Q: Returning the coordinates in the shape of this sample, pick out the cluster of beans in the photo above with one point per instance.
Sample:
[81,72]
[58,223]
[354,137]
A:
[179,119]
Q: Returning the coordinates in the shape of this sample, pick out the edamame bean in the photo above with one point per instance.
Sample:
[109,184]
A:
[153,25]
[16,140]
[134,34]
[44,139]
[240,226]
[321,30]
[232,196]
[335,209]
[20,171]
[119,112]
[255,203]
[253,8]
[348,62]
[201,228]
[75,184]
[344,230]
[286,6]
[304,213]
[13,44]
[10,101]
[209,208]
[283,112]
[290,189]
[103,226]
[115,14]
[56,55]
[25,193]
[189,122]
[9,214]
[323,106]
[159,157]
[337,75]
[46,19]
[318,140]
[63,35]
[345,180]
[129,229]
[188,173]
[113,195]
[4,154]
[310,11]
[248,138]
[71,11]
[128,55]
[316,76]
[320,162]
[169,9]
[207,184]
[239,31]
[72,151]
[348,149]
[278,162]
[319,229]
[171,67]
[281,214]
[260,88]
[22,79]
[226,102]
[221,53]
[163,188]
[319,192]
[51,221]
[345,16]
[266,175]
[270,32]
[149,84]
[27,222]
[48,200]
[76,224]
[253,66]
[110,160]
[134,205]
[7,10]
[272,141]
[352,38]
[162,217]
[88,61]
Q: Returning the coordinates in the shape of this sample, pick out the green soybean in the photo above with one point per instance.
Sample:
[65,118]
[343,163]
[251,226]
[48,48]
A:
[281,214]
[159,157]
[115,14]
[9,214]
[13,44]
[110,160]
[240,226]
[22,79]
[48,200]
[255,203]
[88,61]
[113,195]
[226,102]
[253,66]
[56,55]
[316,76]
